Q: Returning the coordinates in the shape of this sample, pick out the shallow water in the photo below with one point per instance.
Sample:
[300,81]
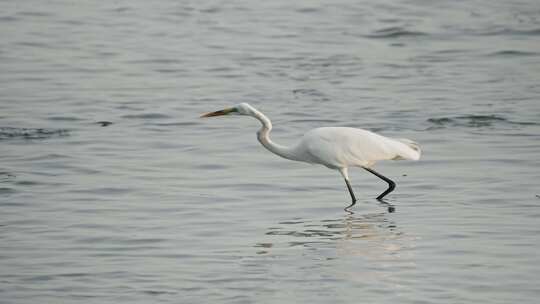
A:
[113,190]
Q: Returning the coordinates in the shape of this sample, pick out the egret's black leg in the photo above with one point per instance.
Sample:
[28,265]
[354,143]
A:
[391,184]
[353,198]
[350,191]
[345,175]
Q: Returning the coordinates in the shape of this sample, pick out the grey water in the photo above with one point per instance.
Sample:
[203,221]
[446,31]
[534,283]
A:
[112,190]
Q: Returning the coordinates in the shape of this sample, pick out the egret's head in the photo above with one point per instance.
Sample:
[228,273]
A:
[240,109]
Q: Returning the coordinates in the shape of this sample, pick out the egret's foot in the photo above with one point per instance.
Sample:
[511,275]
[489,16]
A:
[391,187]
[352,204]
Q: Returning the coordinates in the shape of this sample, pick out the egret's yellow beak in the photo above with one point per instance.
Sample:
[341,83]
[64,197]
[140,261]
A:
[219,113]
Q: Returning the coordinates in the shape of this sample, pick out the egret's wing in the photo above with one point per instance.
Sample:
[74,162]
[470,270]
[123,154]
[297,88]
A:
[320,147]
[373,147]
[343,147]
[365,148]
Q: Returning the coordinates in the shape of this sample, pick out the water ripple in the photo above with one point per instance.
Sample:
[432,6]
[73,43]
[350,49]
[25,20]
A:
[475,121]
[147,116]
[30,133]
[511,32]
[394,32]
[513,53]
[6,177]
[164,206]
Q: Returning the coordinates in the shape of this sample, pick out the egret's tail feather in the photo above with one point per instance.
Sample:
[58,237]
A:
[412,144]
[413,153]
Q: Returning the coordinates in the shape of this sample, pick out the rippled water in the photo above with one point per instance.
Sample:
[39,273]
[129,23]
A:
[112,189]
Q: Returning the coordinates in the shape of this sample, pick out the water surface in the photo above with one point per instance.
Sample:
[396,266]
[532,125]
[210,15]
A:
[113,190]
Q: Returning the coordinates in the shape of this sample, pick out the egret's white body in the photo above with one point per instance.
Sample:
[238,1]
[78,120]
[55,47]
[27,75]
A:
[341,147]
[334,147]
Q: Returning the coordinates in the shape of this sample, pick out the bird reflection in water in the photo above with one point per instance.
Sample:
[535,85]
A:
[377,234]
[389,207]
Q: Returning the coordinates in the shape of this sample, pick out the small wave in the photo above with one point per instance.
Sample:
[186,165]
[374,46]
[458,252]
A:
[147,116]
[64,118]
[122,9]
[34,44]
[167,61]
[211,10]
[211,167]
[179,124]
[170,71]
[8,19]
[310,92]
[508,31]
[159,292]
[394,32]
[513,53]
[104,123]
[474,121]
[321,121]
[467,120]
[30,133]
[6,190]
[6,177]
[307,10]
[34,14]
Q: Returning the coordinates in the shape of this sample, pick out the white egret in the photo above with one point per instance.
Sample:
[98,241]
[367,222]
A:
[334,147]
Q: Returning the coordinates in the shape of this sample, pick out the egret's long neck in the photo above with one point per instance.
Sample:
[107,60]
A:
[263,135]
